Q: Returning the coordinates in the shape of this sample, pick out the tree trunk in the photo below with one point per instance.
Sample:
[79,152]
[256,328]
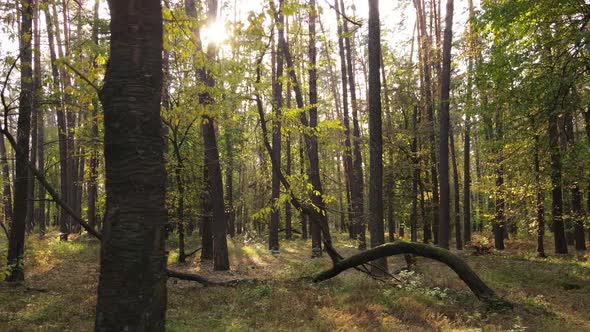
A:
[16,241]
[61,125]
[415,178]
[304,217]
[219,226]
[132,282]
[457,198]
[6,190]
[277,86]
[556,192]
[425,42]
[348,166]
[357,162]
[540,201]
[445,195]
[93,160]
[206,218]
[375,136]
[313,153]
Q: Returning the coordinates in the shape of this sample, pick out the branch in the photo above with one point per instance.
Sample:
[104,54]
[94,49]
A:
[6,106]
[173,274]
[359,24]
[471,279]
[50,189]
[193,252]
[206,282]
[84,78]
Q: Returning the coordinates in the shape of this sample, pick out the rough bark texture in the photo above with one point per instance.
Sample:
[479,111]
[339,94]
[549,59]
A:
[273,227]
[61,124]
[375,135]
[347,155]
[540,201]
[357,184]
[16,241]
[457,193]
[132,282]
[444,227]
[556,191]
[425,45]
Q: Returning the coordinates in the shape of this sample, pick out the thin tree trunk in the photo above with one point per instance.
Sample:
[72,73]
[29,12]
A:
[61,122]
[499,225]
[277,85]
[457,198]
[415,178]
[6,190]
[357,162]
[375,136]
[445,81]
[425,42]
[314,168]
[556,192]
[93,160]
[348,166]
[467,142]
[206,218]
[540,201]
[219,226]
[16,241]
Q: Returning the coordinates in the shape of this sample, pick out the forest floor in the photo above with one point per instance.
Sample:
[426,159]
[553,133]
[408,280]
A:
[551,294]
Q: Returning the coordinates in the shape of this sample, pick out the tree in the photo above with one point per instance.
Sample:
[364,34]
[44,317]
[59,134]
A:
[375,132]
[445,88]
[16,241]
[132,282]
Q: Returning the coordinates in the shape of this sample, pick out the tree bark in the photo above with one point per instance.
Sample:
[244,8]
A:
[219,226]
[93,160]
[132,282]
[357,162]
[471,279]
[457,198]
[445,195]
[556,191]
[375,136]
[425,44]
[61,123]
[540,201]
[6,190]
[277,85]
[348,166]
[16,241]
[206,217]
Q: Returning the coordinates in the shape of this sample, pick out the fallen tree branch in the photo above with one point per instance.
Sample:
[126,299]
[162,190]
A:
[206,282]
[471,279]
[56,197]
[193,252]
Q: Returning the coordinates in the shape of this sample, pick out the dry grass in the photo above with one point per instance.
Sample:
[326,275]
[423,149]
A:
[550,295]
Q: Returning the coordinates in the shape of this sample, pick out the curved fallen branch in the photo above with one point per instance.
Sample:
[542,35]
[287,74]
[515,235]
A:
[206,282]
[56,197]
[471,279]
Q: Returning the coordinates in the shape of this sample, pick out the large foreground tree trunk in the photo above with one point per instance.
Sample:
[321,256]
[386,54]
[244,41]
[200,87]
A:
[132,283]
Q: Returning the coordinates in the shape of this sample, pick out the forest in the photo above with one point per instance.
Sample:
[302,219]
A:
[295,165]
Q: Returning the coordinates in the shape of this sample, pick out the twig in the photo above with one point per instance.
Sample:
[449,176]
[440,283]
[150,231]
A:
[84,78]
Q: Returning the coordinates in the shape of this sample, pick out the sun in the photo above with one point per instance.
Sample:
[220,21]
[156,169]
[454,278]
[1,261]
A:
[215,33]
